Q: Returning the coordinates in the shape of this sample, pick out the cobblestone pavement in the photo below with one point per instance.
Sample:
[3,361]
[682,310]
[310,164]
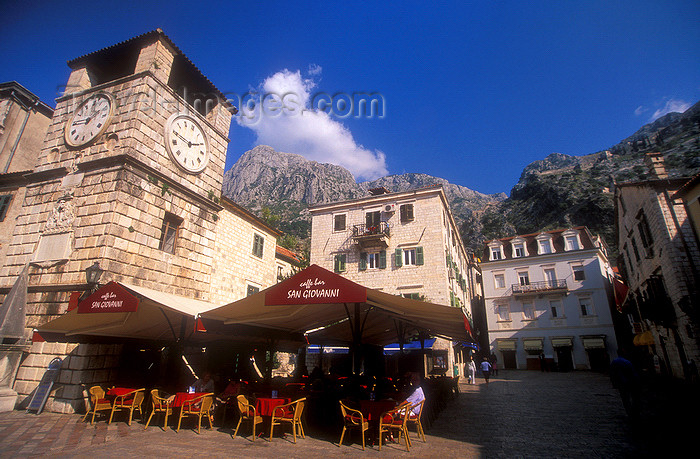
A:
[518,414]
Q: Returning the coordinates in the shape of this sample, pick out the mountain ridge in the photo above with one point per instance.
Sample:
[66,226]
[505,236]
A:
[557,191]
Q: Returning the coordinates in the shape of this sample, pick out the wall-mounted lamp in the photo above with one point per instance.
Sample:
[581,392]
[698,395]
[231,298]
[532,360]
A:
[93,274]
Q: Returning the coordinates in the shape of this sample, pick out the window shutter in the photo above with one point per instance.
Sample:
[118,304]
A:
[339,264]
[398,254]
[419,255]
[382,259]
[363,261]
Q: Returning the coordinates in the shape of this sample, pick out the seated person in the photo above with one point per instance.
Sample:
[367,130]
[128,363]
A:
[417,394]
[232,389]
[204,384]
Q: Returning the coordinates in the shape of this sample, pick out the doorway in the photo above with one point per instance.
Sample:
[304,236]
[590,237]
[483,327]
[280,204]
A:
[509,362]
[565,361]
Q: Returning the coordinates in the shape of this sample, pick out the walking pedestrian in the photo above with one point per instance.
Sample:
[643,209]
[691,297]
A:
[472,370]
[486,369]
[494,364]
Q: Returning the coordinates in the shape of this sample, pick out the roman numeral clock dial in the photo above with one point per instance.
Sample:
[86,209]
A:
[187,143]
[89,120]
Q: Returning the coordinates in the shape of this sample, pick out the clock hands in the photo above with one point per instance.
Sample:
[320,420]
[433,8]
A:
[190,144]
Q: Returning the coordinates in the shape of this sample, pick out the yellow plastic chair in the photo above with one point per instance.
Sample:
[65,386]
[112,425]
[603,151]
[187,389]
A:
[160,404]
[247,413]
[353,420]
[129,401]
[289,413]
[415,419]
[98,402]
[198,406]
[395,420]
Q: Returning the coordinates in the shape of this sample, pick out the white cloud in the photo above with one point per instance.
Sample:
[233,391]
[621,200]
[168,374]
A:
[282,113]
[639,110]
[671,105]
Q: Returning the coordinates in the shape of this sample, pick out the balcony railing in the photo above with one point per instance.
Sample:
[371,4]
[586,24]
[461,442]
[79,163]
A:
[540,286]
[372,234]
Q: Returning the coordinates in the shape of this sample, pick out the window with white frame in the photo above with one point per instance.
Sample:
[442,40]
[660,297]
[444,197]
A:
[528,310]
[571,240]
[519,247]
[372,260]
[555,308]
[550,277]
[579,273]
[544,244]
[503,312]
[523,278]
[499,280]
[408,256]
[586,306]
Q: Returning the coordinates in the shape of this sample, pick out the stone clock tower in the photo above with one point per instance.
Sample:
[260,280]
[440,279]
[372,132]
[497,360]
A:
[129,176]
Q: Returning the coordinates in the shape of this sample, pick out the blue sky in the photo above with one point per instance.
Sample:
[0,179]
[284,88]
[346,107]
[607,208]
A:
[473,91]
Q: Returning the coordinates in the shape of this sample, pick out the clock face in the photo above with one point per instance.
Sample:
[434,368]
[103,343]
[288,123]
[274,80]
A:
[187,143]
[89,120]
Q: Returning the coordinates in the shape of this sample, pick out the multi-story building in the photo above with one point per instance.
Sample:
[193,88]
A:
[23,123]
[547,300]
[659,261]
[129,176]
[404,243]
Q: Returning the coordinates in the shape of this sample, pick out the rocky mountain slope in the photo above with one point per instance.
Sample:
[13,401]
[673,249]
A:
[287,184]
[555,192]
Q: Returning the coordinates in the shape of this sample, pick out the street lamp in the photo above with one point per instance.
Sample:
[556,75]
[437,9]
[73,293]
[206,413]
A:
[93,274]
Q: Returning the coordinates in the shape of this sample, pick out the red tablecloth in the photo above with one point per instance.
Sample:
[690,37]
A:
[264,406]
[373,409]
[182,397]
[119,391]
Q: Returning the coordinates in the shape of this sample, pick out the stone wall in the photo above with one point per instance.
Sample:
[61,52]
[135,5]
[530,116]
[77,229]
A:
[234,266]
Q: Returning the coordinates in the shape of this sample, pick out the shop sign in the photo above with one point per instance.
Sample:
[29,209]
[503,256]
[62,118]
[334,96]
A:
[315,285]
[109,298]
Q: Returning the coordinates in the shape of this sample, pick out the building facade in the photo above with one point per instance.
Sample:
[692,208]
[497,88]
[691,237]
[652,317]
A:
[23,123]
[404,243]
[659,260]
[129,176]
[547,299]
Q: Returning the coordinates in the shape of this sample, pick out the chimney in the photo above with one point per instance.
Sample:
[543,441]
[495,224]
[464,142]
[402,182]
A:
[655,162]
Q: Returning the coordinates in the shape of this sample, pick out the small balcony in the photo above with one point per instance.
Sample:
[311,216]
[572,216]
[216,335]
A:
[534,288]
[371,236]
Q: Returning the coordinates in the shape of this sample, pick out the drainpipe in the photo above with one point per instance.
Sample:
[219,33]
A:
[21,131]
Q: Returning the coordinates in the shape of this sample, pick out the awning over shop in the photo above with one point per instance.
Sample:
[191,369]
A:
[644,339]
[336,311]
[533,344]
[506,344]
[122,311]
[562,342]
[593,342]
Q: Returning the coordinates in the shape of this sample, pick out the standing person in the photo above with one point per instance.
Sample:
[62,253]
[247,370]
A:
[472,370]
[486,369]
[626,380]
[494,363]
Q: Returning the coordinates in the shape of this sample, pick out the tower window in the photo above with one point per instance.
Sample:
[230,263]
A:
[169,233]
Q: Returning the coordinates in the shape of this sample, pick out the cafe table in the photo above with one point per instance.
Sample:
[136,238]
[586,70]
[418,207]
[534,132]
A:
[373,409]
[119,391]
[265,406]
[182,397]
